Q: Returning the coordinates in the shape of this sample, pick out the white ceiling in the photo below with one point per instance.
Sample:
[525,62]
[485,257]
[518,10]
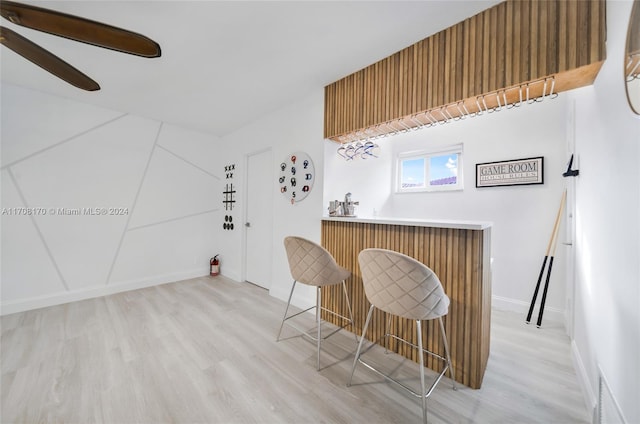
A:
[225,64]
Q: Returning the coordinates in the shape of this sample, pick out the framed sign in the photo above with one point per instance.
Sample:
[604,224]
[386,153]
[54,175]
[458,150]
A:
[510,172]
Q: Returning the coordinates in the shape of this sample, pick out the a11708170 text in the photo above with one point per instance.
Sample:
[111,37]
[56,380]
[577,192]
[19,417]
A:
[61,211]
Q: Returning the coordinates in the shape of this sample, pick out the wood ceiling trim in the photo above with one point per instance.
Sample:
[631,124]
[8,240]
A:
[503,48]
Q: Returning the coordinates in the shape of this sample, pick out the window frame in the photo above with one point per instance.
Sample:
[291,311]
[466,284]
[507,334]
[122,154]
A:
[426,155]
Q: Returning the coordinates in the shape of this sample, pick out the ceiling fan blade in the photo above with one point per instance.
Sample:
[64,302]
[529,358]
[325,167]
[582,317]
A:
[46,60]
[79,29]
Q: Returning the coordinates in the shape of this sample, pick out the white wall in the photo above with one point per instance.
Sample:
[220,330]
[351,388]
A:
[47,260]
[607,292]
[297,127]
[171,181]
[60,154]
[523,216]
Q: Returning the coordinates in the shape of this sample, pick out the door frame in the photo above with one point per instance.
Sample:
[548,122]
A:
[570,225]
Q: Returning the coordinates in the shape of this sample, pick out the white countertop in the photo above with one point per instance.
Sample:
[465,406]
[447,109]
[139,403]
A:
[434,223]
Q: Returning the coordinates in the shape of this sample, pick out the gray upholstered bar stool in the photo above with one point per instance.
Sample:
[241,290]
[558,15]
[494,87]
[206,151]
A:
[402,286]
[313,265]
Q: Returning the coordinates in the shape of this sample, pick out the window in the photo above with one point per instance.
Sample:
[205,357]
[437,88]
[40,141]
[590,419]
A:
[430,170]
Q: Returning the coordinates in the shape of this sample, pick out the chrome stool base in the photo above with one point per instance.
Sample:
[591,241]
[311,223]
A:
[425,393]
[318,307]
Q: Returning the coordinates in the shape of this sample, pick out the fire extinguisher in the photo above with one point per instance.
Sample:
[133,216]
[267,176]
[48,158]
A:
[214,266]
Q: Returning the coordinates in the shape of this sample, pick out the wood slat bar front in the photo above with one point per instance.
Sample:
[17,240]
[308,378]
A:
[507,46]
[461,259]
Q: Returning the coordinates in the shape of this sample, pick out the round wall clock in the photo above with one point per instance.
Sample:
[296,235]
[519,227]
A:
[296,176]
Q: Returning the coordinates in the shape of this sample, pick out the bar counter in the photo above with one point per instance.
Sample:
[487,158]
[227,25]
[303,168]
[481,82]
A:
[457,251]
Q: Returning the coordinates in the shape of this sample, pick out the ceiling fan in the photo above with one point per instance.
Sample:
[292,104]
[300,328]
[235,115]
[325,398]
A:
[71,27]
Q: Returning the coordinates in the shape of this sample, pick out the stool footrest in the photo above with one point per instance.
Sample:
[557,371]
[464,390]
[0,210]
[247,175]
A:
[400,339]
[306,332]
[407,388]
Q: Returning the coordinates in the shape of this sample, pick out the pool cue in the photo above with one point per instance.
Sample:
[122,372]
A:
[550,246]
[553,251]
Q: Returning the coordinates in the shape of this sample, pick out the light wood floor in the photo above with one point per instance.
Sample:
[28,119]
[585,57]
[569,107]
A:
[204,350]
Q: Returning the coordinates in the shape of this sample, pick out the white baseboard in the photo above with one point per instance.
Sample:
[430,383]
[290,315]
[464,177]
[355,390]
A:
[303,296]
[21,305]
[515,305]
[590,399]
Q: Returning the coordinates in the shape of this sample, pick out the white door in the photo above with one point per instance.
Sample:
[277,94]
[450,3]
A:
[259,218]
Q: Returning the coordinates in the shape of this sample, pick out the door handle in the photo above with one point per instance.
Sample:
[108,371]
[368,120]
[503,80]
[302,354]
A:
[247,224]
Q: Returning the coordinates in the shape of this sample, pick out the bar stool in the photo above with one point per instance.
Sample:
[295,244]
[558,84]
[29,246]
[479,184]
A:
[313,265]
[404,287]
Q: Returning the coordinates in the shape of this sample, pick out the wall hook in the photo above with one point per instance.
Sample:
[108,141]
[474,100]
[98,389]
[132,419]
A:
[571,172]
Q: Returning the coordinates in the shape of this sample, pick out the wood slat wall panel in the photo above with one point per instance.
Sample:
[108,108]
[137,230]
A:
[485,40]
[458,257]
[513,52]
[534,35]
[501,37]
[508,45]
[479,49]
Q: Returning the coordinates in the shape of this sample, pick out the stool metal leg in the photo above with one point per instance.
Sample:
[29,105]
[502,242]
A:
[446,350]
[346,297]
[318,307]
[424,392]
[423,389]
[364,331]
[387,333]
[319,335]
[293,286]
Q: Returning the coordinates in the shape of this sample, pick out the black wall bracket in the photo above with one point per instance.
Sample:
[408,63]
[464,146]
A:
[571,172]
